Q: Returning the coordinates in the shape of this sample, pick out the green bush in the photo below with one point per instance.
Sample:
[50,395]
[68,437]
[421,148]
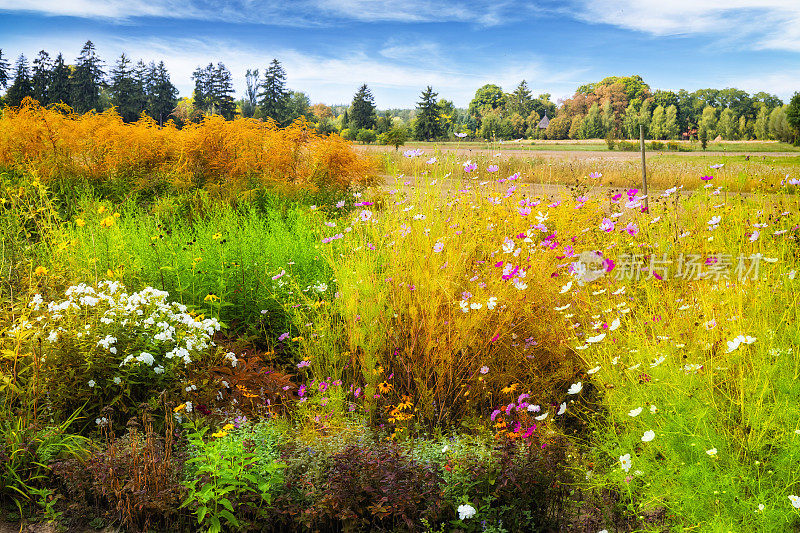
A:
[348,134]
[366,136]
[656,145]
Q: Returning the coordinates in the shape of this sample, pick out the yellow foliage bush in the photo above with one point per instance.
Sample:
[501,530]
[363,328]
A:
[226,157]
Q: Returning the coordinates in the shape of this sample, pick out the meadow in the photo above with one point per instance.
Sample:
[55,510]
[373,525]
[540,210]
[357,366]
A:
[237,327]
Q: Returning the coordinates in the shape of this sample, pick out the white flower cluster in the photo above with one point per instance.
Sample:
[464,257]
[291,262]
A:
[149,322]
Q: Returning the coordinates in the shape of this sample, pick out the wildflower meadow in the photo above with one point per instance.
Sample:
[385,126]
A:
[236,326]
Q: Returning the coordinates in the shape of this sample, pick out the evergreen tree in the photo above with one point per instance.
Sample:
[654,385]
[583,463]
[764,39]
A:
[59,90]
[21,87]
[202,95]
[520,101]
[4,66]
[123,90]
[274,96]
[427,125]
[222,83]
[86,80]
[162,94]
[40,80]
[142,85]
[298,105]
[362,110]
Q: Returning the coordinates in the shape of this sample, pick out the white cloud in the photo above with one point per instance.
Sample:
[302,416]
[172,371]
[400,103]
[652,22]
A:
[761,24]
[275,12]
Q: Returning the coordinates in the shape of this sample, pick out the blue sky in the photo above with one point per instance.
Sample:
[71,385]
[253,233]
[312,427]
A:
[329,48]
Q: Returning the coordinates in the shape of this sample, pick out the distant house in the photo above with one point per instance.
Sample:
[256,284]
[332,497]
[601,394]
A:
[544,122]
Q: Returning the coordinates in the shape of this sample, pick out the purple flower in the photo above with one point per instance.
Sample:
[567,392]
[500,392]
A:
[495,414]
[323,386]
[595,175]
[707,178]
[283,336]
[301,391]
[303,364]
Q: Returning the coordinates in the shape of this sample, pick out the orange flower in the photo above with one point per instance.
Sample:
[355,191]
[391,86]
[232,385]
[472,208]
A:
[40,271]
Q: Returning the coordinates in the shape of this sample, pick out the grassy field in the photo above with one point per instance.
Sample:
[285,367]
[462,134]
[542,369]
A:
[599,145]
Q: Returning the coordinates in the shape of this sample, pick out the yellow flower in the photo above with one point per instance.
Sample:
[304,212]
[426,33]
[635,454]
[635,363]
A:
[40,271]
[510,388]
[227,427]
[108,221]
[101,210]
[217,236]
[180,407]
[211,298]
[80,222]
[116,215]
[384,387]
[219,434]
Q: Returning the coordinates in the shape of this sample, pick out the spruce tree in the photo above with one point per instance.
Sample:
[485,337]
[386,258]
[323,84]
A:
[427,125]
[4,66]
[222,83]
[86,80]
[40,80]
[274,96]
[362,110]
[21,87]
[59,89]
[162,94]
[202,94]
[141,86]
[123,90]
[521,100]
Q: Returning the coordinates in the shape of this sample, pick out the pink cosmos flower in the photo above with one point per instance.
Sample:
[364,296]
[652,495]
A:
[525,211]
[607,225]
[595,175]
[365,215]
[303,364]
[707,178]
[616,197]
[632,229]
[484,370]
[278,276]
[492,168]
[438,247]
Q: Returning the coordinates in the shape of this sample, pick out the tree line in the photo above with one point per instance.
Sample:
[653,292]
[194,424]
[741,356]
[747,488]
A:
[613,108]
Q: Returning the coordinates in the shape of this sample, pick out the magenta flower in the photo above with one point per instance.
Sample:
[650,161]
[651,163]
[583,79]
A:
[595,175]
[616,197]
[278,276]
[707,178]
[555,204]
[323,386]
[631,228]
[301,391]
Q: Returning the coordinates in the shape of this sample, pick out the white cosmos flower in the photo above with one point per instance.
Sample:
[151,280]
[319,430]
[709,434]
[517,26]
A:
[541,417]
[596,338]
[562,308]
[795,501]
[575,388]
[658,361]
[712,452]
[653,409]
[625,461]
[614,324]
[566,287]
[648,435]
[635,412]
[593,370]
[562,409]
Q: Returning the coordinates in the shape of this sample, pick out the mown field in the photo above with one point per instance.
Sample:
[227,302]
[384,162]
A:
[242,328]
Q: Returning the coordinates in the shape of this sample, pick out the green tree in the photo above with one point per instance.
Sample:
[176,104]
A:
[658,124]
[59,89]
[298,105]
[396,137]
[86,80]
[124,91]
[793,115]
[366,136]
[426,124]
[362,109]
[490,126]
[250,102]
[520,101]
[630,122]
[744,128]
[645,117]
[576,128]
[40,80]
[162,97]
[21,86]
[213,90]
[727,124]
[489,97]
[592,127]
[4,66]
[708,121]
[671,129]
[779,128]
[761,128]
[559,127]
[274,95]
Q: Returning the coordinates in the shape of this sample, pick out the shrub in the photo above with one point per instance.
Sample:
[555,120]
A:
[348,134]
[366,136]
[656,145]
[627,146]
[380,488]
[103,346]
